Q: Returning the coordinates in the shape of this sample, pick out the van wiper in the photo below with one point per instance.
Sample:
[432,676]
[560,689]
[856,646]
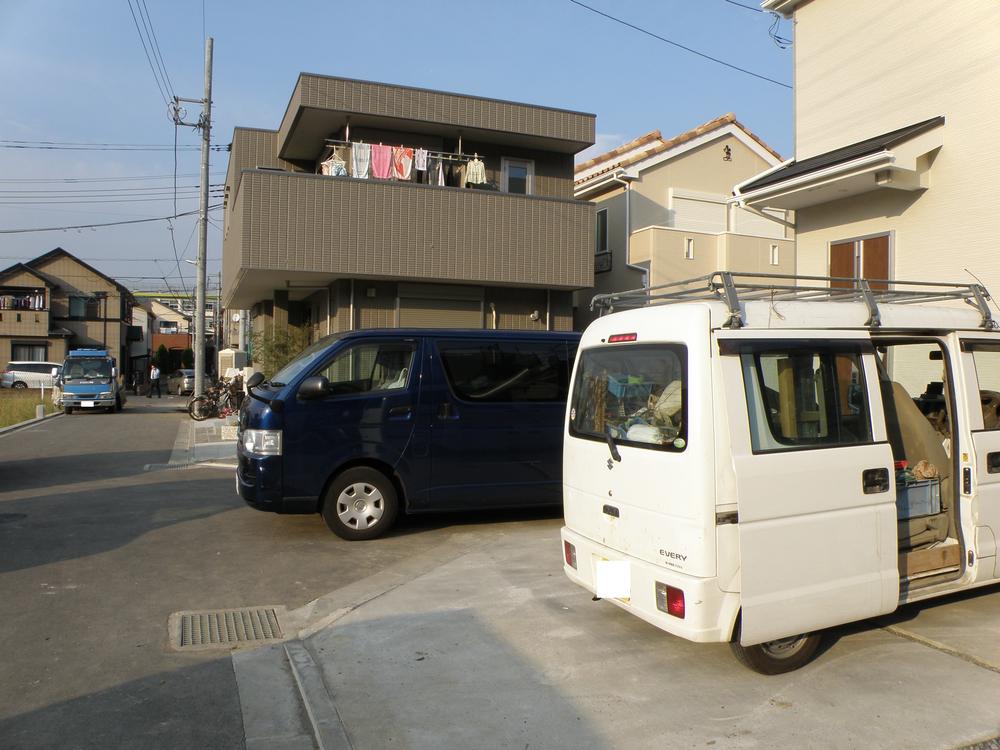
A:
[611,443]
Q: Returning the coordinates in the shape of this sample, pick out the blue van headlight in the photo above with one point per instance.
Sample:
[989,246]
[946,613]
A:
[262,442]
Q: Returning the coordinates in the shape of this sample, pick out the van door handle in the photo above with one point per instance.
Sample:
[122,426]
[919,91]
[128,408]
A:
[400,412]
[874,481]
[447,411]
[993,463]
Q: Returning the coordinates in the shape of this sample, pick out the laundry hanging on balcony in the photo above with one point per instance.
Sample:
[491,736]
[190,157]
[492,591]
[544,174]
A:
[361,154]
[402,162]
[381,161]
[475,172]
[420,159]
[22,302]
[336,165]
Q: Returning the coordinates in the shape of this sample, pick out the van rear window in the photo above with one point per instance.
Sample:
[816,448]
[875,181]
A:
[637,395]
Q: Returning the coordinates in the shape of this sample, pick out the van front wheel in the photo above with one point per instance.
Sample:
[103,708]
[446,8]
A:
[780,656]
[360,504]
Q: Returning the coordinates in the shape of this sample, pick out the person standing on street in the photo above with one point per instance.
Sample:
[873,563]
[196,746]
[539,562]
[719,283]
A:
[154,382]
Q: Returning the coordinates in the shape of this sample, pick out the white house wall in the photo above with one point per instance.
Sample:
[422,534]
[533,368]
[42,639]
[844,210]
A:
[866,68]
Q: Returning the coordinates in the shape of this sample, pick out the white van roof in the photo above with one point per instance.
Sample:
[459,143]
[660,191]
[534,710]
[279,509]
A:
[753,300]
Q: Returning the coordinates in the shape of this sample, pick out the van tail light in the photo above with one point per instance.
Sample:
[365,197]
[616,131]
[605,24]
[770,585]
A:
[619,338]
[670,600]
[569,552]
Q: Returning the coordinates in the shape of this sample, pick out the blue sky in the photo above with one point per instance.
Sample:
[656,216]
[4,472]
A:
[74,71]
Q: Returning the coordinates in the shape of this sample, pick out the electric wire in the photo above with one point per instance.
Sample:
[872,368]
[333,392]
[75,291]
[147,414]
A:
[135,178]
[41,146]
[142,39]
[151,32]
[105,224]
[681,46]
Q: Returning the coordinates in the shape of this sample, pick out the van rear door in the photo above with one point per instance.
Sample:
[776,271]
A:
[638,462]
[815,483]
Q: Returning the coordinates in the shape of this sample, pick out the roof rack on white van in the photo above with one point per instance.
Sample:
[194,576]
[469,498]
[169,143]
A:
[734,288]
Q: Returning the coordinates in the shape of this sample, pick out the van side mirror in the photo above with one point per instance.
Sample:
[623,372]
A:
[254,380]
[55,372]
[315,387]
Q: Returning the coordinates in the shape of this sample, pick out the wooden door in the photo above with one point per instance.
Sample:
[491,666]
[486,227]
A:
[842,264]
[875,262]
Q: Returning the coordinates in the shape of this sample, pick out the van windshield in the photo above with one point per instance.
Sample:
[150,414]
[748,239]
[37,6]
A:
[302,362]
[634,394]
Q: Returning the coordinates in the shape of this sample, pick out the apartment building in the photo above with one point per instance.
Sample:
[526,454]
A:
[57,302]
[664,210]
[894,161]
[377,205]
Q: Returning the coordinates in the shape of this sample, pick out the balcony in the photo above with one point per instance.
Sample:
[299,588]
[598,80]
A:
[286,226]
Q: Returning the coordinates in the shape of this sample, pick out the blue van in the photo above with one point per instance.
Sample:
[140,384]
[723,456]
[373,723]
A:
[367,424]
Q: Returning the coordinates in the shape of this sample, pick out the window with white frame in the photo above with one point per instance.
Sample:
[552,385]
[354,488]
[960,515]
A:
[689,248]
[517,176]
[601,244]
[774,255]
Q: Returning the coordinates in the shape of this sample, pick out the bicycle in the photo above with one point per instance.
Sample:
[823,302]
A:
[220,400]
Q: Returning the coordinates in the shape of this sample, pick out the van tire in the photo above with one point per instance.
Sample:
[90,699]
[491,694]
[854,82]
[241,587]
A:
[778,656]
[67,410]
[19,385]
[360,504]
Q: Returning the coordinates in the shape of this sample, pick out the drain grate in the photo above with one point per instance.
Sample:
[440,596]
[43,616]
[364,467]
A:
[227,628]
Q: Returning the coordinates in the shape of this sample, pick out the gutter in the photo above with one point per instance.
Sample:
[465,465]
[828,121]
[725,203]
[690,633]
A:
[626,180]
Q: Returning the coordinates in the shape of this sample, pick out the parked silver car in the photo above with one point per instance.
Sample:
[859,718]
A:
[29,374]
[181,382]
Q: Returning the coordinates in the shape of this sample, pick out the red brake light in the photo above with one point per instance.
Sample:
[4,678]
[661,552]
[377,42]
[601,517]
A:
[670,600]
[620,337]
[569,552]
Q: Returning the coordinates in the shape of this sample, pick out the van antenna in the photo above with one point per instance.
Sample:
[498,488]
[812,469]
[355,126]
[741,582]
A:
[984,287]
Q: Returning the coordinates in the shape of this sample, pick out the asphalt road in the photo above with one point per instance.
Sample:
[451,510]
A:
[96,553]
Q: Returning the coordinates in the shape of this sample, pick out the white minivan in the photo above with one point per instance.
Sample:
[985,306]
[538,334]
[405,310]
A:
[753,458]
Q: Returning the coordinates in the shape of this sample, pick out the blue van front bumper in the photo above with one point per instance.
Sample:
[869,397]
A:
[258,480]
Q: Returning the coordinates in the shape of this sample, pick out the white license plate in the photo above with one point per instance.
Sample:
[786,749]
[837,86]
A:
[87,404]
[612,579]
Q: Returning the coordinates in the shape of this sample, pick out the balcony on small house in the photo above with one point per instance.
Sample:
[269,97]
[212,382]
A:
[24,311]
[318,228]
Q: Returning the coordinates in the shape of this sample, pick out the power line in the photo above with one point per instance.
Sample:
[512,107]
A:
[681,46]
[95,190]
[149,59]
[155,44]
[42,180]
[105,224]
[83,201]
[102,260]
[745,7]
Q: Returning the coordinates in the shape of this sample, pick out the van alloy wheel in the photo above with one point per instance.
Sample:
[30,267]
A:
[359,504]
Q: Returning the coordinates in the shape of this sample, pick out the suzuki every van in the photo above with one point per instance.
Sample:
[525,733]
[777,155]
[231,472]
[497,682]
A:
[367,424]
[753,458]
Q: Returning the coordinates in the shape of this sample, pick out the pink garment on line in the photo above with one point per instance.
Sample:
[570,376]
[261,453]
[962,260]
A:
[402,162]
[381,161]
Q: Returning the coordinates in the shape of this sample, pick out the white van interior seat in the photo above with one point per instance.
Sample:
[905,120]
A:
[914,439]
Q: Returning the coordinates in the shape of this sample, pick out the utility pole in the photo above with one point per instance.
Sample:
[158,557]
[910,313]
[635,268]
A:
[204,124]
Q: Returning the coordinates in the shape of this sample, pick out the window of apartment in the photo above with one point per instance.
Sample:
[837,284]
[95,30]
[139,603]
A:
[77,307]
[862,258]
[28,352]
[601,245]
[86,308]
[518,176]
[689,248]
[774,255]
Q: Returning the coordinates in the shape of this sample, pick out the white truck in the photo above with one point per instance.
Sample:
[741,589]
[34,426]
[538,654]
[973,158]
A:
[753,458]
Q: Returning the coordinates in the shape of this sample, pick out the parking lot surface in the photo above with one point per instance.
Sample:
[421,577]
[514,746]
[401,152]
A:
[452,632]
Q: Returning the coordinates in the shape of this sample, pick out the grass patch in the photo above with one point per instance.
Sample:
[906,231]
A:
[18,405]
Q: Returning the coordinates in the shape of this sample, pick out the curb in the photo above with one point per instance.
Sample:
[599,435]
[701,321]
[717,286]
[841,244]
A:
[29,423]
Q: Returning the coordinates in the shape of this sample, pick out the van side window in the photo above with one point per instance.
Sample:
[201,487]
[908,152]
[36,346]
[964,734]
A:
[986,358]
[805,397]
[507,371]
[636,395]
[373,366]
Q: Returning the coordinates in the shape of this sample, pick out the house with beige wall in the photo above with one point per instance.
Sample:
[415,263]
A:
[664,210]
[895,166]
[69,305]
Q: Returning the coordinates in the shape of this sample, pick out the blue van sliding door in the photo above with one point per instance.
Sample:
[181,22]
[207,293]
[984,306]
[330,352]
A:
[496,409]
